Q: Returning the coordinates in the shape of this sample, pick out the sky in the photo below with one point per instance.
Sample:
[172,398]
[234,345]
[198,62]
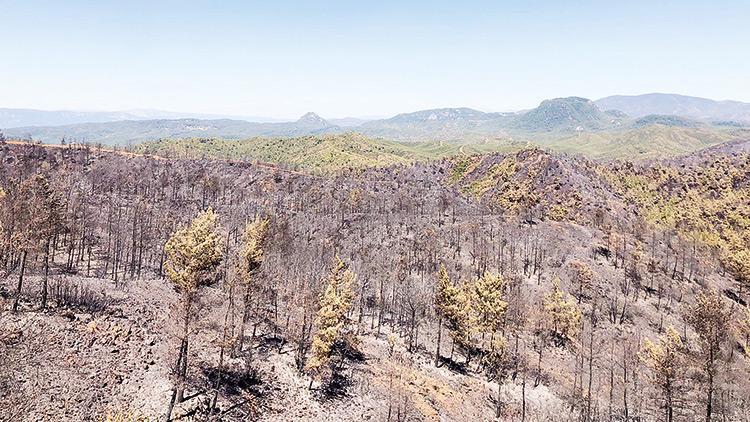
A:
[364,58]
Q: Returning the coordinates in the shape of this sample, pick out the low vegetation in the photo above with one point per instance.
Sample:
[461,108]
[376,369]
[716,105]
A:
[326,153]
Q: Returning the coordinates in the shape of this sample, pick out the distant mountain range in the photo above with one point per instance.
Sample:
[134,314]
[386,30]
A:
[441,124]
[677,105]
[557,117]
[569,114]
[21,117]
[126,132]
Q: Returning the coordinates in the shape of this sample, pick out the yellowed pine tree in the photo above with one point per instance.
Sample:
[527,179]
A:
[489,302]
[461,318]
[249,259]
[454,306]
[497,365]
[445,295]
[193,253]
[562,315]
[665,360]
[737,261]
[490,307]
[331,321]
[583,277]
[710,317]
[246,261]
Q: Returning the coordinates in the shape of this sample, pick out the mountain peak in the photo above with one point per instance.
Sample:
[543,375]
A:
[569,113]
[441,115]
[572,101]
[312,118]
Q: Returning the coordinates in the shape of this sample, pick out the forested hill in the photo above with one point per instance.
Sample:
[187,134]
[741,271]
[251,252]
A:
[518,286]
[325,153]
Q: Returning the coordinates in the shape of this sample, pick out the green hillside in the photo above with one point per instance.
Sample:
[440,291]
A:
[319,153]
[666,120]
[649,142]
[353,150]
[563,114]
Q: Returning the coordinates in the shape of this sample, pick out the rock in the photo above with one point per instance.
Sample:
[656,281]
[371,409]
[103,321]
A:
[83,317]
[188,407]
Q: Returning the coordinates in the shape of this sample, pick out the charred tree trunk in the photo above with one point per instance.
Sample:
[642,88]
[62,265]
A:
[19,286]
[439,337]
[46,274]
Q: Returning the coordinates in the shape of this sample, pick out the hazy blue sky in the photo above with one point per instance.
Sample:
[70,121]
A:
[342,58]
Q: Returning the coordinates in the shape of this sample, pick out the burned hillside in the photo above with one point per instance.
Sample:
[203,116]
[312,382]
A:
[523,286]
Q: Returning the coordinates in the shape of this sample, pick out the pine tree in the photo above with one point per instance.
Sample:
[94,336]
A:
[48,223]
[249,260]
[245,263]
[445,296]
[37,210]
[460,315]
[252,243]
[490,307]
[737,261]
[497,364]
[193,253]
[583,277]
[489,302]
[563,317]
[710,317]
[665,361]
[332,336]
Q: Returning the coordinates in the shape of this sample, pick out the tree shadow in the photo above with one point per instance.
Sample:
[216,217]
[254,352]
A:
[267,344]
[350,352]
[342,378]
[336,388]
[453,366]
[734,296]
[234,382]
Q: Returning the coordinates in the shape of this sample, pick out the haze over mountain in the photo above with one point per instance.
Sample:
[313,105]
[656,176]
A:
[677,105]
[349,121]
[553,117]
[442,124]
[127,132]
[21,117]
